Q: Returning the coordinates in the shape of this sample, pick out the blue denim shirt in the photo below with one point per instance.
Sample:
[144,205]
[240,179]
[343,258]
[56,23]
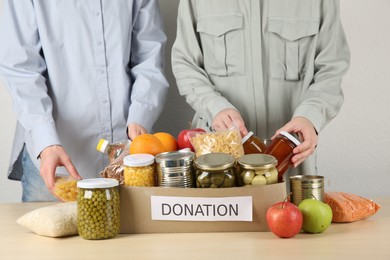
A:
[79,71]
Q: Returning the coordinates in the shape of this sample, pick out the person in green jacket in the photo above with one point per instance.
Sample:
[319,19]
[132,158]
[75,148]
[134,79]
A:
[263,65]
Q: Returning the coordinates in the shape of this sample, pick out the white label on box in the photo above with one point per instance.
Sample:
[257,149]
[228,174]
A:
[201,208]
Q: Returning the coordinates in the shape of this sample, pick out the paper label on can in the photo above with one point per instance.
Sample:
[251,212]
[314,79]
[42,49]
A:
[202,208]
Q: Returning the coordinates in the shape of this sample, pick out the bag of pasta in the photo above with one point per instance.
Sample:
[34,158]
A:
[227,141]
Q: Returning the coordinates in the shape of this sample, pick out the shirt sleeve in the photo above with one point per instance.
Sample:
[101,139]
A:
[323,99]
[150,87]
[188,66]
[22,66]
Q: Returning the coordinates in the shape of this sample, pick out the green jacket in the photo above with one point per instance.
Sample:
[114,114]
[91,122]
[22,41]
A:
[269,59]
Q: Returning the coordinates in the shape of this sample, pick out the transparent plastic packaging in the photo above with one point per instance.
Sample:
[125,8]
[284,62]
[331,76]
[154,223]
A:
[348,207]
[227,141]
[113,150]
[65,188]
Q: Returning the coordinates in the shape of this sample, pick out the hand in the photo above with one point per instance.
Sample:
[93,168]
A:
[134,130]
[308,135]
[51,158]
[228,118]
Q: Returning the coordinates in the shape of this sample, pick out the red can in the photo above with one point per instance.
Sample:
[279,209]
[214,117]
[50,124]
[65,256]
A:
[282,149]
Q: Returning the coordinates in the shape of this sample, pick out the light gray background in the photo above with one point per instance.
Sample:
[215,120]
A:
[354,149]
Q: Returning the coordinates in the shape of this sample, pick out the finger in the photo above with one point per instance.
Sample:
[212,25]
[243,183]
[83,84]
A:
[227,122]
[47,173]
[300,157]
[72,169]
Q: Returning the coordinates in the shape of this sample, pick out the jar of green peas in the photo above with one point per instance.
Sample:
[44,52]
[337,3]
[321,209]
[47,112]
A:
[98,209]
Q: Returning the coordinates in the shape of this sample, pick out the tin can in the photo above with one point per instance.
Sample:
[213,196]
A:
[175,169]
[306,187]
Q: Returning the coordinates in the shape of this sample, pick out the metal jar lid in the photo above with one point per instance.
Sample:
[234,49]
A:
[175,159]
[215,161]
[257,161]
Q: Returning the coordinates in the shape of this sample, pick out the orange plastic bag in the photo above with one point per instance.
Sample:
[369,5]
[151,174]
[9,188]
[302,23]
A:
[348,207]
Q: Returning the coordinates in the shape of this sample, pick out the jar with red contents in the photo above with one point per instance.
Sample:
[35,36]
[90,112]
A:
[282,149]
[253,144]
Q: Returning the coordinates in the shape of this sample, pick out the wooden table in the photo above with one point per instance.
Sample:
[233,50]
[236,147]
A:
[366,239]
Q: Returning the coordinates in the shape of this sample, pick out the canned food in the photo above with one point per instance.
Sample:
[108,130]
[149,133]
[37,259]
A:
[215,170]
[175,169]
[139,170]
[306,187]
[257,170]
[98,209]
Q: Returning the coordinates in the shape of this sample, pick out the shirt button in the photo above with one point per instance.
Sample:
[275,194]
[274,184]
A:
[105,101]
[99,43]
[97,13]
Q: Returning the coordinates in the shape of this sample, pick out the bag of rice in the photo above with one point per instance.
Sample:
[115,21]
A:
[58,220]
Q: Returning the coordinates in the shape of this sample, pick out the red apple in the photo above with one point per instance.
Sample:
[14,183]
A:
[183,139]
[284,219]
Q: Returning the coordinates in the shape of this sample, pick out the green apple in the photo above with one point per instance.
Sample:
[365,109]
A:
[317,215]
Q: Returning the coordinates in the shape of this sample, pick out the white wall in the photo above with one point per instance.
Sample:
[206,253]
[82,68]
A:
[354,150]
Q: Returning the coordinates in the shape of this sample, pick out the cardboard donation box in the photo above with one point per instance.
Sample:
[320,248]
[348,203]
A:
[190,210]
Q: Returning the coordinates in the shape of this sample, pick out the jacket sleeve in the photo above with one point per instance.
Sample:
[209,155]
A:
[22,66]
[323,98]
[188,66]
[150,87]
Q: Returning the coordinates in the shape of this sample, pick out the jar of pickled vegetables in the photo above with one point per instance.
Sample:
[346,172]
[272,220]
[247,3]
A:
[282,149]
[257,170]
[215,170]
[139,170]
[98,209]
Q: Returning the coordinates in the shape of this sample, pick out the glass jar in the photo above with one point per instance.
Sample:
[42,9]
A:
[257,170]
[98,209]
[215,170]
[253,144]
[139,170]
[113,150]
[282,149]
